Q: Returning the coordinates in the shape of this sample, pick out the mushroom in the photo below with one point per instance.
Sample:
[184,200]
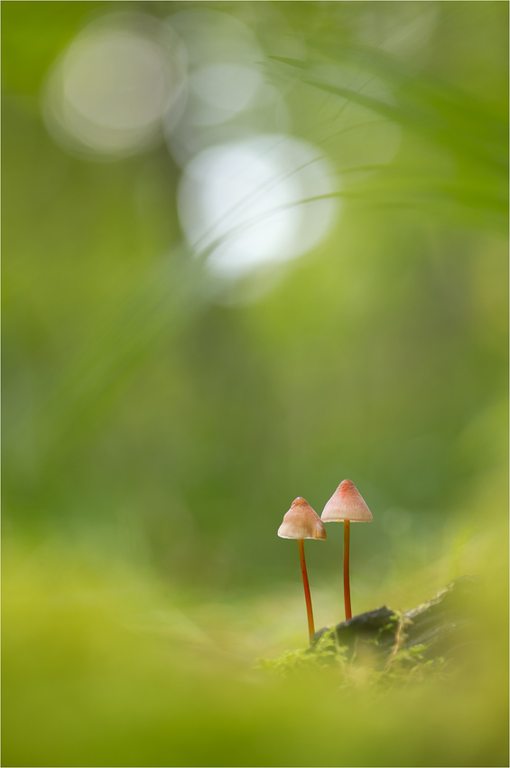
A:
[302,522]
[345,506]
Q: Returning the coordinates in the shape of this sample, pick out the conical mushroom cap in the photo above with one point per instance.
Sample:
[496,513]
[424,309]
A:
[301,522]
[347,503]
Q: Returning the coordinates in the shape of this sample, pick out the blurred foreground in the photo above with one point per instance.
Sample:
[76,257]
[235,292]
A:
[105,666]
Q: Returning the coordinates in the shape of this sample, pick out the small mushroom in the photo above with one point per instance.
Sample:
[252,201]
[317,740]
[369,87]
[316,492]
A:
[345,506]
[302,522]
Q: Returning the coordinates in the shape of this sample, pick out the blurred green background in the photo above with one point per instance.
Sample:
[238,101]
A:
[165,401]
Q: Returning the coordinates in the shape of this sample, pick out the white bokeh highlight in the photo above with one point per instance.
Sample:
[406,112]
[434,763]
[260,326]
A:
[256,202]
[109,91]
[229,94]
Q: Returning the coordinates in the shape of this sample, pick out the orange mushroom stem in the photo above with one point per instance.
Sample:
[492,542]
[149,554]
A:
[347,581]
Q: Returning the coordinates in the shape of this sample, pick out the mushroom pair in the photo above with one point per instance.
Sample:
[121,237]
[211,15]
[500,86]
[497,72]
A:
[302,522]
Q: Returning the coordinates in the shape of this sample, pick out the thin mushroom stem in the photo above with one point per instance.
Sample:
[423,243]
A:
[306,586]
[347,584]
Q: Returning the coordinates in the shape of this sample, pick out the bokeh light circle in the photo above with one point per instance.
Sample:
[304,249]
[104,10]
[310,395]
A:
[109,91]
[259,201]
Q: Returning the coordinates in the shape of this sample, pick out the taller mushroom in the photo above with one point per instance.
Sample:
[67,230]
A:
[345,506]
[302,522]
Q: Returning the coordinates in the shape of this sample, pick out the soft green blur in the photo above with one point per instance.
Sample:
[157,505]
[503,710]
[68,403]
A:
[159,420]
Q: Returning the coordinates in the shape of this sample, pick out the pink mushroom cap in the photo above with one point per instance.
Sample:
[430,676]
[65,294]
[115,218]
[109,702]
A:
[347,503]
[301,522]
